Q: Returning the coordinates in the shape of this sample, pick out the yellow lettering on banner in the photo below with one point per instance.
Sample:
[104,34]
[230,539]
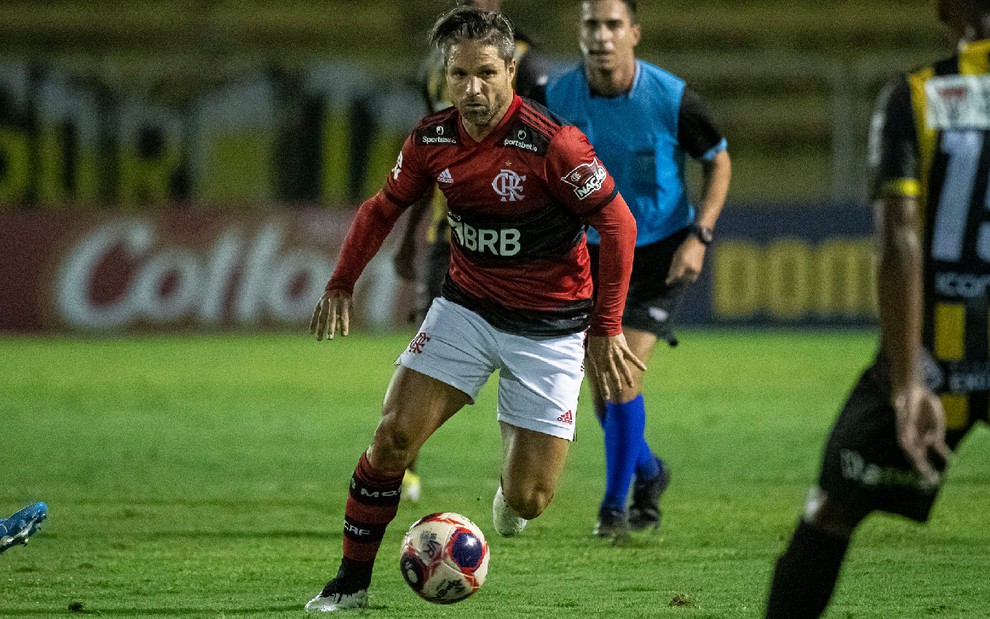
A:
[146,180]
[789,278]
[845,277]
[238,169]
[792,280]
[737,279]
[15,172]
[336,164]
[956,407]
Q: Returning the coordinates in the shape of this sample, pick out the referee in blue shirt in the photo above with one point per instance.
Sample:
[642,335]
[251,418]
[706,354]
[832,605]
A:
[642,121]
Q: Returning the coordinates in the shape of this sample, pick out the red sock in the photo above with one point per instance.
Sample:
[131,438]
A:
[372,504]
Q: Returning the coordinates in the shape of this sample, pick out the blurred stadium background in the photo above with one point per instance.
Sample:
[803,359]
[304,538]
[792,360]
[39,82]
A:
[150,151]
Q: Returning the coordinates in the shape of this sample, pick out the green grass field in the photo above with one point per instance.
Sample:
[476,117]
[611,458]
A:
[206,476]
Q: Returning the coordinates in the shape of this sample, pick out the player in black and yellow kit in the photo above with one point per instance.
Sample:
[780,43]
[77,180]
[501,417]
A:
[530,81]
[931,380]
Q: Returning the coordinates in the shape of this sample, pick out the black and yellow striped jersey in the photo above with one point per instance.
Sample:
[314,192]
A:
[931,140]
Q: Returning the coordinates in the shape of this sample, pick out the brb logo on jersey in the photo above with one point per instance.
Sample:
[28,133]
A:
[586,179]
[508,184]
[503,242]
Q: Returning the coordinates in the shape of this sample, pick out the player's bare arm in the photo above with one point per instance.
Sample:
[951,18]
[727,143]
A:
[685,268]
[919,415]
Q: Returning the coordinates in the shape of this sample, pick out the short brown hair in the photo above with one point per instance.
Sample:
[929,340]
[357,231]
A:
[463,23]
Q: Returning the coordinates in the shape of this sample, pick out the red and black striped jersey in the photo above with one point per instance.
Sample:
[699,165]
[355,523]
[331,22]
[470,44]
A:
[517,203]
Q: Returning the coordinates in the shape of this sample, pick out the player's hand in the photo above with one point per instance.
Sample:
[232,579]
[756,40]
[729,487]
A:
[332,310]
[921,430]
[685,267]
[608,360]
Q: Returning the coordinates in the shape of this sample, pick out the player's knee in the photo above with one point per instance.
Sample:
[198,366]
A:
[827,514]
[394,443]
[528,501]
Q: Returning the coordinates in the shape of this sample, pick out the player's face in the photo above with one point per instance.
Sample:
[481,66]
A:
[479,82]
[608,36]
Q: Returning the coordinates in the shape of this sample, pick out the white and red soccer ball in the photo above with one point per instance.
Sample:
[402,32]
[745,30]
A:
[444,557]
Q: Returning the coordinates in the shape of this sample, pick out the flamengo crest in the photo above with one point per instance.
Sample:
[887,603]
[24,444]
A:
[508,184]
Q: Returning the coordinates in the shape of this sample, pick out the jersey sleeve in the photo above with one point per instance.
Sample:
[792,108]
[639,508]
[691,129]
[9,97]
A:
[893,143]
[408,180]
[576,176]
[696,131]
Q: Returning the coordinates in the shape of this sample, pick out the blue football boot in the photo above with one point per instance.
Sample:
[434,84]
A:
[22,525]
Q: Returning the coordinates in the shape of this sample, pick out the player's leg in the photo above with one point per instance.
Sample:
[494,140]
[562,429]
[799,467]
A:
[539,383]
[415,406]
[652,476]
[443,369]
[431,285]
[806,573]
[863,470]
[531,468]
[20,526]
[651,312]
[805,576]
[623,421]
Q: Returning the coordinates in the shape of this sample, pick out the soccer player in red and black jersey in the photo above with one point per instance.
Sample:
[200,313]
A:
[520,188]
[530,81]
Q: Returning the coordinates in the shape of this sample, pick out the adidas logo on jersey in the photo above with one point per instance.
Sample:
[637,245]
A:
[567,417]
[445,177]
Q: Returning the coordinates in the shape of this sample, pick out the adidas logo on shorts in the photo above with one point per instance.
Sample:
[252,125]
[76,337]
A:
[567,417]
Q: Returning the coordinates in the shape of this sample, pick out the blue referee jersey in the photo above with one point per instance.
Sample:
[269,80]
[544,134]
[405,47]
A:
[642,137]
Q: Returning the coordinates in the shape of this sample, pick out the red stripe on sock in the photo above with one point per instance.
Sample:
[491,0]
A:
[358,551]
[371,512]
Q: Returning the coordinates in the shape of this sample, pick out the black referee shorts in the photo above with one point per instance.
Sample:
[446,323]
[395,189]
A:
[651,304]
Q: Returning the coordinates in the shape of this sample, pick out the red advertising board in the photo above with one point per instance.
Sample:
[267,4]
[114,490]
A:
[179,270]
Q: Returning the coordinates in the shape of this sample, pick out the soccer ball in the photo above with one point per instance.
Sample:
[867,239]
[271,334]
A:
[444,558]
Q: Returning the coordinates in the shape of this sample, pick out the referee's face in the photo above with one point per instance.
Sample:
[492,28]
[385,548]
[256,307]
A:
[608,36]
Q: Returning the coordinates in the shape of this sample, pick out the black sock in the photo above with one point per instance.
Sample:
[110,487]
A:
[806,574]
[356,573]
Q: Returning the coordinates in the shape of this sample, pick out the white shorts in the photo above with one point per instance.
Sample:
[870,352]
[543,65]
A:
[539,378]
